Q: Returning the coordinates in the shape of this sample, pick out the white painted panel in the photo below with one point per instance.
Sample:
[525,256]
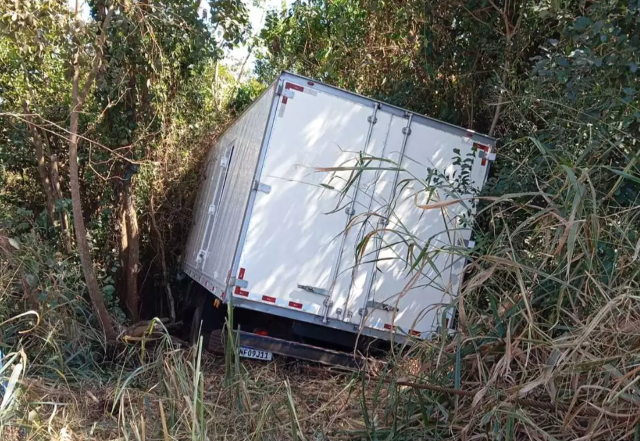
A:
[419,295]
[294,235]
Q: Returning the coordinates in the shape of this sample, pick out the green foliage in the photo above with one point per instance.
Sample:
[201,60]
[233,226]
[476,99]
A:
[553,279]
[158,96]
[549,308]
[444,59]
[245,95]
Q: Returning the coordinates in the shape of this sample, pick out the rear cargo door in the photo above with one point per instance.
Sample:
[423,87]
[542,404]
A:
[419,265]
[374,189]
[294,238]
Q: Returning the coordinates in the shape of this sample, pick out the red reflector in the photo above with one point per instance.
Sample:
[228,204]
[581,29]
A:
[388,326]
[261,332]
[412,332]
[295,305]
[469,134]
[240,292]
[241,273]
[477,145]
[268,299]
[294,87]
[446,322]
[310,83]
[284,100]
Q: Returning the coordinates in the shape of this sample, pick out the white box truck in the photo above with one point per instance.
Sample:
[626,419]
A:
[293,187]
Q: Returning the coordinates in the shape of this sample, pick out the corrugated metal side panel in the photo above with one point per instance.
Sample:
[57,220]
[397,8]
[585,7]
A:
[245,135]
[198,222]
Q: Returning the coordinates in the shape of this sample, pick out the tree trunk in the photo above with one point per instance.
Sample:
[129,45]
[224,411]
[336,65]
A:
[42,165]
[77,99]
[163,261]
[124,248]
[65,223]
[95,294]
[133,255]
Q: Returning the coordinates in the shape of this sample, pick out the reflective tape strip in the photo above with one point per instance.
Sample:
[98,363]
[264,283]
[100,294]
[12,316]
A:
[239,292]
[310,308]
[485,148]
[388,327]
[299,88]
[294,86]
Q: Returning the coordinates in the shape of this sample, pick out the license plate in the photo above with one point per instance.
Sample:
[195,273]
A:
[255,353]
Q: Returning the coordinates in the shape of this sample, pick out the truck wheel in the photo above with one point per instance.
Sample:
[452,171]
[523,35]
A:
[196,320]
[217,341]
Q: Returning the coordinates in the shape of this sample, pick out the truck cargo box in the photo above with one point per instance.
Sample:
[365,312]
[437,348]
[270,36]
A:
[307,176]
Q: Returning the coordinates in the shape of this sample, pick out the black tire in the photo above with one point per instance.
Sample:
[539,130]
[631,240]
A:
[196,324]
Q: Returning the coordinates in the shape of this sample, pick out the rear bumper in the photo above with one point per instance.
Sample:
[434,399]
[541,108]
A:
[394,337]
[294,349]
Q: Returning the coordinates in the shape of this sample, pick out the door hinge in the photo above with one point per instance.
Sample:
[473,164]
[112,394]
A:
[372,119]
[383,306]
[212,209]
[350,211]
[406,131]
[201,255]
[240,283]
[264,188]
[314,290]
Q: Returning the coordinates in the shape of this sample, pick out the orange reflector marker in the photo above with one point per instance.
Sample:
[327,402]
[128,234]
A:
[268,299]
[390,327]
[261,332]
[414,332]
